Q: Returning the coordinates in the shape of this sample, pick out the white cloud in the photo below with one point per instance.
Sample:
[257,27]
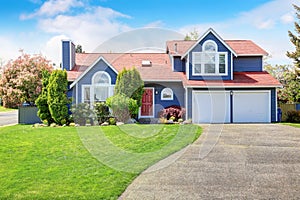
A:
[155,24]
[88,29]
[52,8]
[287,18]
[266,25]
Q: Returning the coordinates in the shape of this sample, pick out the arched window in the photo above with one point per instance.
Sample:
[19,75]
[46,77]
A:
[167,94]
[209,46]
[210,61]
[101,78]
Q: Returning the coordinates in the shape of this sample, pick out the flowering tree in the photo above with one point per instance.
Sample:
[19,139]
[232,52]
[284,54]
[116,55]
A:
[21,80]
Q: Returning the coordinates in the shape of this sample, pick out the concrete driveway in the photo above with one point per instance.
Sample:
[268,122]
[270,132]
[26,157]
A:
[8,118]
[245,161]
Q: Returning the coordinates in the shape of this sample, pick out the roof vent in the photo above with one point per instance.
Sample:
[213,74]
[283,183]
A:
[146,63]
[175,48]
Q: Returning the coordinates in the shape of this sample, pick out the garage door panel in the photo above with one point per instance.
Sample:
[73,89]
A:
[211,107]
[251,106]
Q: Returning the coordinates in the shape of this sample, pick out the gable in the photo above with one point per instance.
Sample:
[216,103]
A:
[100,65]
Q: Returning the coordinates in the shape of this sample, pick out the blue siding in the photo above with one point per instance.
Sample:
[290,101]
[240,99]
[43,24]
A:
[273,105]
[66,55]
[247,64]
[179,65]
[87,78]
[221,48]
[178,92]
[297,106]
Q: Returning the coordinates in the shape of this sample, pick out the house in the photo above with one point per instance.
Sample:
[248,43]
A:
[216,80]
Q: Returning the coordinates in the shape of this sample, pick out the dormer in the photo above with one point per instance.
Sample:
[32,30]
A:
[209,58]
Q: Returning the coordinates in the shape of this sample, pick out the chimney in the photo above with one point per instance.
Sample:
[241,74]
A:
[68,55]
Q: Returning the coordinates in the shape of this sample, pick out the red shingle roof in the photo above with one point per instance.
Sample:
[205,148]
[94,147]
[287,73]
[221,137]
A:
[245,47]
[244,79]
[240,47]
[160,69]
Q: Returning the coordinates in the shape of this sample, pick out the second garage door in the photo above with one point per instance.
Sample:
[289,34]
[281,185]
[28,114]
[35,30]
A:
[251,106]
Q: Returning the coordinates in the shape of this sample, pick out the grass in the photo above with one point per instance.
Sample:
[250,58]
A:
[2,109]
[84,162]
[297,125]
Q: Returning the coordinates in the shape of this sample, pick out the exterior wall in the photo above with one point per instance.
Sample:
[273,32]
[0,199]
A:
[248,64]
[178,95]
[87,79]
[221,48]
[179,65]
[68,55]
[273,100]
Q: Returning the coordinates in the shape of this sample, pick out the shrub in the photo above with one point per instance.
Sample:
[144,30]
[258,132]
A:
[172,112]
[122,107]
[293,116]
[102,112]
[112,121]
[57,96]
[81,113]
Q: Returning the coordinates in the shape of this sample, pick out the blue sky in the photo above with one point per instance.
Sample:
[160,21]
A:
[38,26]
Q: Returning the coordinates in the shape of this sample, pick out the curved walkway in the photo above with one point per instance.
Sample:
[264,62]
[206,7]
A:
[248,161]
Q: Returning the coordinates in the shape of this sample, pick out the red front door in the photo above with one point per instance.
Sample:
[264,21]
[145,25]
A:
[147,103]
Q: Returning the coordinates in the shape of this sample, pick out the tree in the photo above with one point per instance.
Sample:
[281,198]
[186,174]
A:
[42,100]
[193,35]
[130,83]
[286,75]
[57,96]
[21,80]
[295,39]
[78,49]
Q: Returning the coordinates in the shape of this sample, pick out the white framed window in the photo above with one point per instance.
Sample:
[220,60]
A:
[167,94]
[209,61]
[100,89]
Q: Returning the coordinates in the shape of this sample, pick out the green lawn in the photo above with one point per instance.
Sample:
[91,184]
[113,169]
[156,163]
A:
[83,162]
[2,109]
[293,124]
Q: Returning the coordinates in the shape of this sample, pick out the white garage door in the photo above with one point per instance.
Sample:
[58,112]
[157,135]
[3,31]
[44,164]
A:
[251,106]
[211,107]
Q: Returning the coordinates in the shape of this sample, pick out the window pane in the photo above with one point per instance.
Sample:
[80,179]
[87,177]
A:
[197,68]
[209,68]
[86,95]
[100,93]
[222,63]
[101,78]
[210,46]
[196,57]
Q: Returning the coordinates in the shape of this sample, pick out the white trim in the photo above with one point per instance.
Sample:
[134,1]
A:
[186,103]
[90,67]
[156,80]
[153,104]
[70,55]
[168,98]
[82,92]
[210,30]
[237,86]
[231,57]
[172,62]
[187,66]
[76,93]
[241,55]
